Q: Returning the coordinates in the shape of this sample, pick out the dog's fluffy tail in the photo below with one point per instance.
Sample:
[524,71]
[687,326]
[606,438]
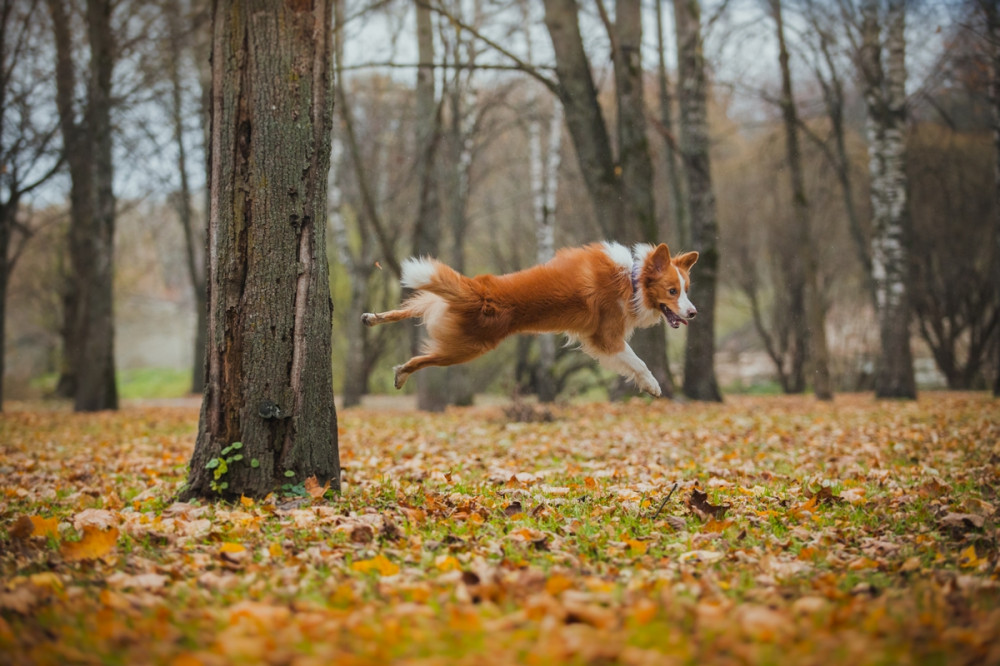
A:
[424,274]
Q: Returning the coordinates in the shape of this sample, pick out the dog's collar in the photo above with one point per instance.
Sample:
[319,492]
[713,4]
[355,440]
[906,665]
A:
[635,279]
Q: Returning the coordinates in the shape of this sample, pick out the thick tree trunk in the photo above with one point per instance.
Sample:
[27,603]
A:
[885,98]
[700,382]
[814,315]
[269,361]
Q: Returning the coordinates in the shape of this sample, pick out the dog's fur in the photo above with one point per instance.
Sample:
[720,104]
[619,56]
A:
[596,294]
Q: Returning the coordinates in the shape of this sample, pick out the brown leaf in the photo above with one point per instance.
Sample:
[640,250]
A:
[698,502]
[315,490]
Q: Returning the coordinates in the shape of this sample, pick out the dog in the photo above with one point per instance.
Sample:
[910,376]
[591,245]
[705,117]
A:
[597,295]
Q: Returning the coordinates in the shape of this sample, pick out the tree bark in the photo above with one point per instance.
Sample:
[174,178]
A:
[432,386]
[993,48]
[578,94]
[885,98]
[269,384]
[88,329]
[815,319]
[544,184]
[700,382]
[673,169]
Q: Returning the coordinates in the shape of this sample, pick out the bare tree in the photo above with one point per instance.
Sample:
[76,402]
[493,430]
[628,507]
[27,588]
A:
[884,83]
[992,16]
[700,382]
[804,258]
[87,142]
[268,414]
[26,144]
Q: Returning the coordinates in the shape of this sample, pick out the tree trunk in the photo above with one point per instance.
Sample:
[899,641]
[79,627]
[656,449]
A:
[699,355]
[432,386]
[637,169]
[544,184]
[269,358]
[885,97]
[183,196]
[587,130]
[88,329]
[815,319]
[993,46]
[677,198]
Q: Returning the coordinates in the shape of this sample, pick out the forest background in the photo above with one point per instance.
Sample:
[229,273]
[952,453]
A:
[500,182]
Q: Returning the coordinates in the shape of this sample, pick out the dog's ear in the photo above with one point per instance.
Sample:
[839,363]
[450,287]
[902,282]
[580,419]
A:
[686,261]
[659,258]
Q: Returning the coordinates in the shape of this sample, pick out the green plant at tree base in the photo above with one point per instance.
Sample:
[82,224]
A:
[220,465]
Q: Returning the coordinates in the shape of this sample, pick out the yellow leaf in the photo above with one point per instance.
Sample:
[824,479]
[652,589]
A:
[44,526]
[447,563]
[379,564]
[636,546]
[95,543]
[246,501]
[968,559]
[231,548]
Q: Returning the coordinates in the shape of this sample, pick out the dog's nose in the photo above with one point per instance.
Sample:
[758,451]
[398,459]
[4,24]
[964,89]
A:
[691,313]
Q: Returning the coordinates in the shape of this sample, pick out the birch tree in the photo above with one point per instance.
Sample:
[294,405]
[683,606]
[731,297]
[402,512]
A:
[883,72]
[267,415]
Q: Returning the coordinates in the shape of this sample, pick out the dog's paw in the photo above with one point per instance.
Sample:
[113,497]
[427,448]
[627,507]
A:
[368,319]
[400,377]
[649,385]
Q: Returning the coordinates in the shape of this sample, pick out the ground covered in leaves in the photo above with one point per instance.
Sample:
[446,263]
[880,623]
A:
[860,532]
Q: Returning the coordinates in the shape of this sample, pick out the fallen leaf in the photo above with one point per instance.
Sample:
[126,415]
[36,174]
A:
[96,542]
[379,564]
[698,502]
[315,490]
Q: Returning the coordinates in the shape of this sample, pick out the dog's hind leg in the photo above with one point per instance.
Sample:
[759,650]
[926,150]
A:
[433,359]
[376,318]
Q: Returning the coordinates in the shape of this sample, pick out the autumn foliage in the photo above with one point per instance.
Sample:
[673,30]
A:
[848,533]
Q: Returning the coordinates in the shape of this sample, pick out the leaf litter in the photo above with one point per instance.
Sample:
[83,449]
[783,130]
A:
[853,533]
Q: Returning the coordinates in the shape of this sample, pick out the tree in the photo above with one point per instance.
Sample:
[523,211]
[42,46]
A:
[992,15]
[884,84]
[269,374]
[805,256]
[181,23]
[700,382]
[27,158]
[89,375]
[620,188]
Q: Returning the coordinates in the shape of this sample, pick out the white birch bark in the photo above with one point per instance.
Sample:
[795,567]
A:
[885,97]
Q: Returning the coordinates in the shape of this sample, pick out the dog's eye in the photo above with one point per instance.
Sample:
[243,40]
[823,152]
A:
[673,292]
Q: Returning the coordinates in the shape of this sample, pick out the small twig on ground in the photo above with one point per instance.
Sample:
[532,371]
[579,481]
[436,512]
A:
[665,500]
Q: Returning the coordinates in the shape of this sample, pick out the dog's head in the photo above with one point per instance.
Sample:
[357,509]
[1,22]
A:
[665,284]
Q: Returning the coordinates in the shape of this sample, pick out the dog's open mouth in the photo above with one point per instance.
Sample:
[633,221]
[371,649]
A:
[672,318]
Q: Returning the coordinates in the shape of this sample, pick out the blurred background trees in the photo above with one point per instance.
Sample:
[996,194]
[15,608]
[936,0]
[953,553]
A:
[488,132]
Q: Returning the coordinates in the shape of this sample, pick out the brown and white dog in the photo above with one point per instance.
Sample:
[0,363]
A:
[597,294]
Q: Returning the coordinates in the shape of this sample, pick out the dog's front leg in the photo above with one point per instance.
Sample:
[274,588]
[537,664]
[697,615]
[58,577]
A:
[630,366]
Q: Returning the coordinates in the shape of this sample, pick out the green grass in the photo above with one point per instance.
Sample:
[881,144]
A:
[134,384]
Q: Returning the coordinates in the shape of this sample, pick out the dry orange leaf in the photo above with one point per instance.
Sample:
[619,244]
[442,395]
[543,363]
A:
[590,483]
[34,526]
[95,543]
[447,563]
[379,564]
[315,490]
[558,583]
